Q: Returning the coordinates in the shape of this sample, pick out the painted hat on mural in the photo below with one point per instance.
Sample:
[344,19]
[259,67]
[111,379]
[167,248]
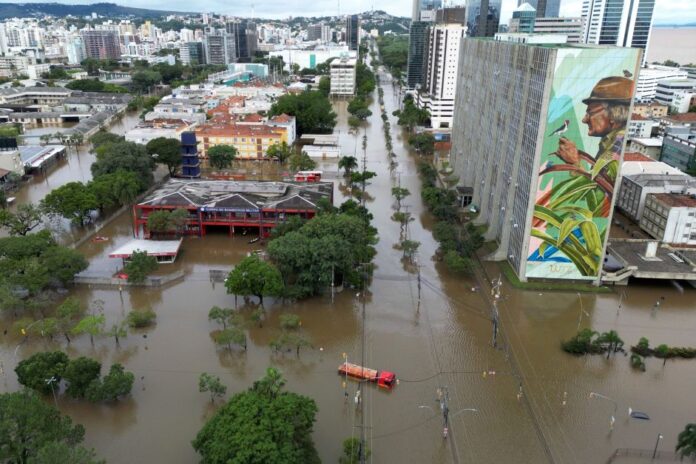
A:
[611,89]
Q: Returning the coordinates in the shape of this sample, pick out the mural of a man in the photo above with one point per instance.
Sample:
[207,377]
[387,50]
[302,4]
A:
[607,116]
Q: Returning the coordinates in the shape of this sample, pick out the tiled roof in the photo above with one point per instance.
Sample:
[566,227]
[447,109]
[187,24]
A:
[676,200]
[635,156]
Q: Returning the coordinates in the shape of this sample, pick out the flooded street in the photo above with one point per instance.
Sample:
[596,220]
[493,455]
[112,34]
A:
[443,342]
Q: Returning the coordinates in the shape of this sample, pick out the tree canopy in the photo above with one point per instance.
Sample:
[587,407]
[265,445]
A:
[261,425]
[115,155]
[20,222]
[93,85]
[280,151]
[139,267]
[167,151]
[221,156]
[73,201]
[253,276]
[312,109]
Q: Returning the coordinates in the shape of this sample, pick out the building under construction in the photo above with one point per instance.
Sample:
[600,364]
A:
[233,206]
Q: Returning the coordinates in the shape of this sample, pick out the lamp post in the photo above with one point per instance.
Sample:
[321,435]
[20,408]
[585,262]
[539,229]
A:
[50,382]
[613,416]
[659,437]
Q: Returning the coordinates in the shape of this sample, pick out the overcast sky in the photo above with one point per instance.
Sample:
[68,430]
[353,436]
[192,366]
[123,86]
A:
[666,11]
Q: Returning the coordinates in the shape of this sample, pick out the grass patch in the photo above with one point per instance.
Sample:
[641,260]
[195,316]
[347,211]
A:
[511,277]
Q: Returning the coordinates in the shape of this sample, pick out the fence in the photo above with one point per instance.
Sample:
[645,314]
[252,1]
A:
[660,456]
[94,278]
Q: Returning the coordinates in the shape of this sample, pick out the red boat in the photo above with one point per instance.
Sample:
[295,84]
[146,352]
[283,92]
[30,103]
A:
[384,379]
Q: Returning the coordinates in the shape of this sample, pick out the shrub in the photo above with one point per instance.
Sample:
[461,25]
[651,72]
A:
[140,319]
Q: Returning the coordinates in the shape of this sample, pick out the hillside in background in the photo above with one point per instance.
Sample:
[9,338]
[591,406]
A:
[23,10]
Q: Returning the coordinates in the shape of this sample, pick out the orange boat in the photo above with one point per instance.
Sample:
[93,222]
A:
[384,379]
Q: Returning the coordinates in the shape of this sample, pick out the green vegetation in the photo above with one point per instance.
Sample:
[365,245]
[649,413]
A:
[56,73]
[115,154]
[164,222]
[686,442]
[212,384]
[143,81]
[280,151]
[139,267]
[312,109]
[32,431]
[252,276]
[138,319]
[221,156]
[423,143]
[93,85]
[348,164]
[24,219]
[351,452]
[324,85]
[302,162]
[74,201]
[82,376]
[263,424]
[410,116]
[333,243]
[662,351]
[587,341]
[166,151]
[393,51]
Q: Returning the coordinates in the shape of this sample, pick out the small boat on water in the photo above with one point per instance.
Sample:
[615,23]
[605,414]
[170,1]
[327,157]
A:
[254,240]
[384,379]
[99,238]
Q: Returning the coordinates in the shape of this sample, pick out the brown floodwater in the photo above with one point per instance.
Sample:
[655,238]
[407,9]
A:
[443,342]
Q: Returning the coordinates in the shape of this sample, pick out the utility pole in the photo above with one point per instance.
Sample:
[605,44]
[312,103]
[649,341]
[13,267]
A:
[419,286]
[495,292]
[359,395]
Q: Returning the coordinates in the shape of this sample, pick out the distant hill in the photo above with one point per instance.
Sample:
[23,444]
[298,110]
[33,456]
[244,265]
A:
[23,10]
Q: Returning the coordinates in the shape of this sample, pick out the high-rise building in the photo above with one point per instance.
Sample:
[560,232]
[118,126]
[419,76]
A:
[353,32]
[219,48]
[451,15]
[75,50]
[440,73]
[192,53]
[570,27]
[649,77]
[101,45]
[343,77]
[625,23]
[541,176]
[483,17]
[544,8]
[320,32]
[417,41]
[424,5]
[523,19]
[245,39]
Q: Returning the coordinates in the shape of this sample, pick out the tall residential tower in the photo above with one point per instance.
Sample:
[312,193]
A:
[625,23]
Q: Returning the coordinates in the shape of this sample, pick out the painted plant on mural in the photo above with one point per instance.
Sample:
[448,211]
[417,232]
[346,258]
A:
[581,154]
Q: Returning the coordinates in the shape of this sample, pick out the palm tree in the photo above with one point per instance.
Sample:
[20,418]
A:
[686,442]
[612,341]
[348,163]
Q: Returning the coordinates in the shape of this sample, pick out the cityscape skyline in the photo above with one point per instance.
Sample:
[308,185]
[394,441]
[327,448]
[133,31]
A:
[666,11]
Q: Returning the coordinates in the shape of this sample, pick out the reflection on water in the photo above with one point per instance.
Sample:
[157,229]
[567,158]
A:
[446,341]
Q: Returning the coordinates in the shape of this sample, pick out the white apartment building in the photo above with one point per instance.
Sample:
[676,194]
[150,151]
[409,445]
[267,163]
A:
[666,90]
[440,74]
[639,126]
[649,77]
[682,101]
[343,77]
[670,218]
[571,27]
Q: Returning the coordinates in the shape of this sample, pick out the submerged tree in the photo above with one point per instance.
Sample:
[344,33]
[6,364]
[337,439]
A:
[212,384]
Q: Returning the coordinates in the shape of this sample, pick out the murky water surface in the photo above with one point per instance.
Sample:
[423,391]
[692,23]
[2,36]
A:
[447,342]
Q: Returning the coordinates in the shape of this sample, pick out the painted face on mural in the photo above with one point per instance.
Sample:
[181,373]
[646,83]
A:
[597,120]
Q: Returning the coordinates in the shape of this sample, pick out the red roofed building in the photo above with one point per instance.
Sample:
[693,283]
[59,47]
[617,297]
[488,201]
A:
[251,141]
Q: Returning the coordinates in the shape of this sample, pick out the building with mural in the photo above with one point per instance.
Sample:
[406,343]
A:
[539,133]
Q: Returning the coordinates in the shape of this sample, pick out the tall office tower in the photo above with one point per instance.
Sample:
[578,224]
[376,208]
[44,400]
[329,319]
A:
[625,23]
[424,5]
[523,19]
[314,32]
[101,45]
[451,15]
[353,32]
[537,142]
[544,8]
[417,41]
[75,49]
[219,48]
[243,31]
[483,17]
[440,73]
[192,53]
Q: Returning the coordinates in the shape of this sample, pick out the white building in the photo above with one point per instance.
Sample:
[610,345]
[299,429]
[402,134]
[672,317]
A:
[311,58]
[650,147]
[571,27]
[639,126]
[440,76]
[666,90]
[34,71]
[343,77]
[670,218]
[643,179]
[681,101]
[75,50]
[649,77]
[625,23]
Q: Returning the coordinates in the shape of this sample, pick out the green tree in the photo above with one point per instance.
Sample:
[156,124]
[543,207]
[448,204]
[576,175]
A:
[458,264]
[686,442]
[120,188]
[611,341]
[165,151]
[92,325]
[302,162]
[103,137]
[117,383]
[27,425]
[159,222]
[423,143]
[212,384]
[290,321]
[312,110]
[280,151]
[230,336]
[409,248]
[351,452]
[410,116]
[220,315]
[79,374]
[73,201]
[114,156]
[399,193]
[54,452]
[221,156]
[354,122]
[324,85]
[24,219]
[348,164]
[263,424]
[139,267]
[138,319]
[35,370]
[63,263]
[118,331]
[252,276]
[68,312]
[143,81]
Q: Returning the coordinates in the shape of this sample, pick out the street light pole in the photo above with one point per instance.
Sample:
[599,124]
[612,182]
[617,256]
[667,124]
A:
[616,405]
[659,437]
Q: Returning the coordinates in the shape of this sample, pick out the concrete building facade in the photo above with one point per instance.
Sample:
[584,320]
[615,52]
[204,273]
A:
[343,77]
[670,218]
[649,77]
[571,27]
[101,45]
[679,148]
[666,90]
